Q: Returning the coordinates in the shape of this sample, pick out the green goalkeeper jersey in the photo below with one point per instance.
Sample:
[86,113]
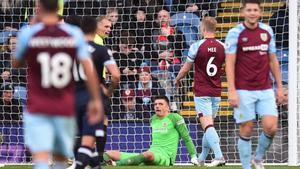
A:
[167,132]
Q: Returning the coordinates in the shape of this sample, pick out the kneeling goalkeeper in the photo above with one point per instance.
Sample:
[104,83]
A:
[167,129]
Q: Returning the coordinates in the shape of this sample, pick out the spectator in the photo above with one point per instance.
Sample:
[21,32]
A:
[128,60]
[112,40]
[169,42]
[13,13]
[147,89]
[128,109]
[199,7]
[141,29]
[10,108]
[16,75]
[5,65]
[151,7]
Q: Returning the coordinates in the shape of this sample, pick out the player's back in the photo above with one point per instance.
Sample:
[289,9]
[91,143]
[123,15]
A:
[100,57]
[50,54]
[208,64]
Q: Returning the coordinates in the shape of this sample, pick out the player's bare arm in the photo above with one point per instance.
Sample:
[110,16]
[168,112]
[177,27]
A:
[230,73]
[274,66]
[183,72]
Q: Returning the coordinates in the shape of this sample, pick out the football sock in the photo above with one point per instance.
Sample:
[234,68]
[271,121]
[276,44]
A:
[97,157]
[83,157]
[244,147]
[205,148]
[264,143]
[213,140]
[95,161]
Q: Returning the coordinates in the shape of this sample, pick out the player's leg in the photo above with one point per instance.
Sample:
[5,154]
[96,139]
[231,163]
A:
[207,108]
[100,138]
[267,109]
[203,105]
[128,159]
[39,137]
[88,139]
[244,115]
[157,157]
[97,157]
[212,136]
[117,155]
[65,130]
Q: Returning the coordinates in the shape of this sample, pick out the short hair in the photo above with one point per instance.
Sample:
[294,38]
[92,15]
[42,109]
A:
[101,18]
[73,20]
[111,10]
[165,98]
[88,25]
[251,2]
[209,23]
[49,5]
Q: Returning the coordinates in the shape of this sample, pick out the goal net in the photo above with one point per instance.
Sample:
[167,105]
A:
[138,48]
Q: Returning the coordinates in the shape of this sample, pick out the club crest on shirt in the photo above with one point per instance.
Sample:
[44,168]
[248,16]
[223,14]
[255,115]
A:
[264,37]
[165,124]
[244,39]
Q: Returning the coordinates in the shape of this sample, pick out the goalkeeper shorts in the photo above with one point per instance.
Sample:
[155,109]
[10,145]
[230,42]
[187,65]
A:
[161,158]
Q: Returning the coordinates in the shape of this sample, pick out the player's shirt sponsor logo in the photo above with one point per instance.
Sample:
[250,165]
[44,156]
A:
[162,129]
[262,47]
[52,42]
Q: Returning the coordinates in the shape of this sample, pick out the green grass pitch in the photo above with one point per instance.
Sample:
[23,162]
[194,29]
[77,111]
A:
[156,167]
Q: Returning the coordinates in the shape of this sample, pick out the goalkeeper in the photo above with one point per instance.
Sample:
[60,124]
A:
[167,129]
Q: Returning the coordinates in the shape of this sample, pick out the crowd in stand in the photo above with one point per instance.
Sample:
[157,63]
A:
[147,48]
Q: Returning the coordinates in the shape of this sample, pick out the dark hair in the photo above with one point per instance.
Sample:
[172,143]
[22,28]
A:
[73,20]
[10,36]
[88,25]
[165,98]
[49,5]
[251,2]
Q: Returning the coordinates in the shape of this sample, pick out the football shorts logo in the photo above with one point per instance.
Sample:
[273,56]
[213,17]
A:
[264,37]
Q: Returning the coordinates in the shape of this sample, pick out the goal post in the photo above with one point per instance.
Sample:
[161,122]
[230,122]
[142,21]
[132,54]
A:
[294,84]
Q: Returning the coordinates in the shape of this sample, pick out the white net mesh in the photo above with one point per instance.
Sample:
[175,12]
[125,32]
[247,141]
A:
[129,128]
